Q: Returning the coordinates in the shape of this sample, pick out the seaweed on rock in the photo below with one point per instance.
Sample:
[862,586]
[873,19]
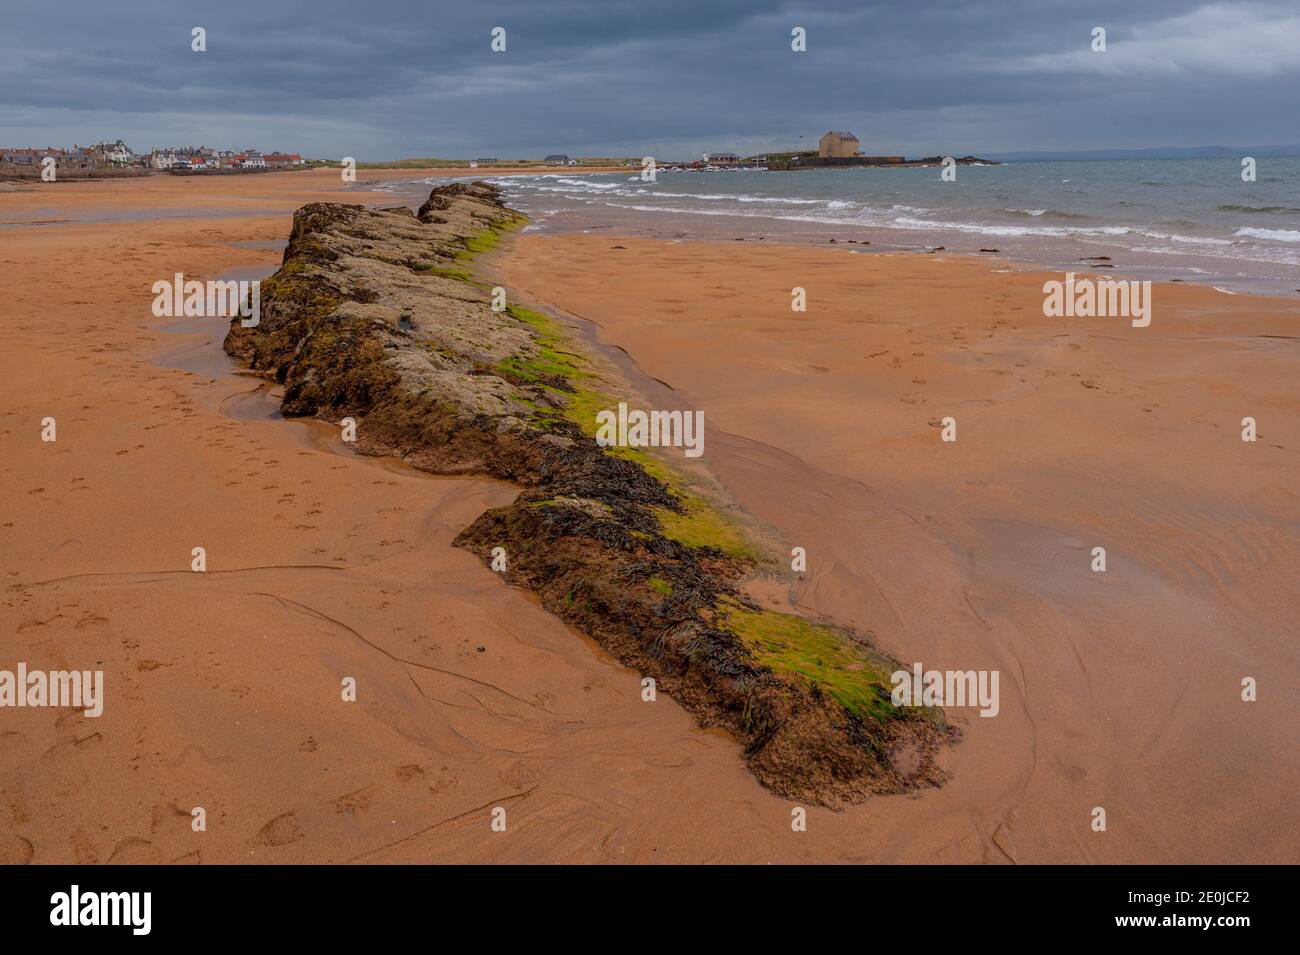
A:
[375,314]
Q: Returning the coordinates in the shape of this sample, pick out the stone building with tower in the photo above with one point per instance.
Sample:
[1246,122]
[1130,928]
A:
[838,145]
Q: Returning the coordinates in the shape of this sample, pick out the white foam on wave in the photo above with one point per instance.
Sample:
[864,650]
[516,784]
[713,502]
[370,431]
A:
[1285,255]
[1273,235]
[1188,239]
[578,188]
[587,184]
[738,197]
[775,200]
[740,213]
[1008,231]
[622,190]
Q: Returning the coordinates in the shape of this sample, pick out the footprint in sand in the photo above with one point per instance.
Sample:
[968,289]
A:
[15,849]
[169,816]
[135,851]
[280,831]
[83,849]
[350,804]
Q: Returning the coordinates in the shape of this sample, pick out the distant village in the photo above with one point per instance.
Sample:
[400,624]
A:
[105,159]
[117,158]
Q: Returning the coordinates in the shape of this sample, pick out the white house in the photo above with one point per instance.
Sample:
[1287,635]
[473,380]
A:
[158,159]
[116,153]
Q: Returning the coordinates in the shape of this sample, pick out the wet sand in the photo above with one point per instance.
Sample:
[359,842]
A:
[1119,689]
[223,688]
[28,204]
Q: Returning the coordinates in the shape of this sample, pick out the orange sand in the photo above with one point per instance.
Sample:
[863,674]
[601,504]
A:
[223,688]
[1120,690]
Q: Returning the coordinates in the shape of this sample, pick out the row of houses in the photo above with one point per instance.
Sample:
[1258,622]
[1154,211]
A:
[118,155]
[82,159]
[199,158]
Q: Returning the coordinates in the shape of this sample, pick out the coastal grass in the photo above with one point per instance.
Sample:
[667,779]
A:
[816,653]
[488,239]
[703,525]
[660,586]
[553,359]
[483,241]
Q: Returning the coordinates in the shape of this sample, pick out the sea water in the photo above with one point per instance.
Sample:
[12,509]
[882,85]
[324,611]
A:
[1193,219]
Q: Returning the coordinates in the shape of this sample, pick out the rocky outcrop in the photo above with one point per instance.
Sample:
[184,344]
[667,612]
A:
[376,315]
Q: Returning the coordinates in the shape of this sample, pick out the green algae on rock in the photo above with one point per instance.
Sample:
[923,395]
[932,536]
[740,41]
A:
[377,315]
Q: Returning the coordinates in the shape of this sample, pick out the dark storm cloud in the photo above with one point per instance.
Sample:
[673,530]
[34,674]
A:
[389,79]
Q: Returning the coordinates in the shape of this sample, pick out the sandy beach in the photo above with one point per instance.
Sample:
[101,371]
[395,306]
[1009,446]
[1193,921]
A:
[1124,687]
[1119,690]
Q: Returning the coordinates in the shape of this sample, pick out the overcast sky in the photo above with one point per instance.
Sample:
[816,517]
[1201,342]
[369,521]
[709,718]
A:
[385,79]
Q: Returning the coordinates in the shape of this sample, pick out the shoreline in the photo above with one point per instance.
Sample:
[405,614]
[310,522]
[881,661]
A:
[1070,241]
[889,241]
